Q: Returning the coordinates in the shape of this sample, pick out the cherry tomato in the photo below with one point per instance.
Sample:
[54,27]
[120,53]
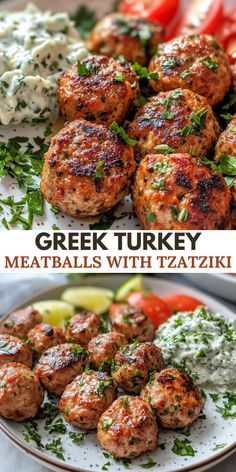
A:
[201,17]
[181,302]
[159,10]
[153,306]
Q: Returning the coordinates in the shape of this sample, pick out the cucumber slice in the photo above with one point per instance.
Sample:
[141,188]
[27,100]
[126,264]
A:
[55,312]
[93,299]
[134,284]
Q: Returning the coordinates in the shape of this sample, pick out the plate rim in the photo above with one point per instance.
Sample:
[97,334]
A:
[65,467]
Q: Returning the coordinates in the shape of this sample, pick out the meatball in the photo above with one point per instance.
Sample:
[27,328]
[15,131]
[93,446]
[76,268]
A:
[180,119]
[132,322]
[83,327]
[98,89]
[174,398]
[44,336]
[197,63]
[176,192]
[14,350]
[59,365]
[20,322]
[133,364]
[134,38]
[226,143]
[86,398]
[103,348]
[87,169]
[20,394]
[128,428]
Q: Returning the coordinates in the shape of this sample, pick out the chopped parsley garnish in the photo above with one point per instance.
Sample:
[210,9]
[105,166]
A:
[57,427]
[168,115]
[77,437]
[143,72]
[85,20]
[122,133]
[151,217]
[186,431]
[228,409]
[56,448]
[184,74]
[219,446]
[77,349]
[181,215]
[170,63]
[105,424]
[134,440]
[198,120]
[99,171]
[183,448]
[227,116]
[233,129]
[201,353]
[5,347]
[208,61]
[149,464]
[102,385]
[104,222]
[226,164]
[119,77]
[83,69]
[31,433]
[49,411]
[164,149]
[159,184]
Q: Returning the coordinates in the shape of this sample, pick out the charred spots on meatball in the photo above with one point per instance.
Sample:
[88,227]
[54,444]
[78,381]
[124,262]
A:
[44,336]
[20,322]
[132,322]
[133,364]
[177,191]
[174,398]
[98,89]
[135,39]
[179,121]
[86,398]
[103,348]
[87,169]
[128,428]
[83,327]
[192,62]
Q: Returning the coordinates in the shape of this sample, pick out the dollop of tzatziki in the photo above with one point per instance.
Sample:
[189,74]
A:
[35,47]
[200,342]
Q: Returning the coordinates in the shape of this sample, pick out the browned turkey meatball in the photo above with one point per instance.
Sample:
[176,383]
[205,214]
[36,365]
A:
[176,192]
[20,322]
[173,397]
[128,428]
[86,398]
[44,336]
[59,365]
[103,348]
[98,89]
[87,169]
[197,63]
[226,143]
[83,327]
[20,394]
[132,322]
[133,364]
[134,38]
[14,350]
[180,119]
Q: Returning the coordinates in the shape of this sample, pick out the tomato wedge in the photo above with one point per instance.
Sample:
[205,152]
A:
[181,302]
[159,10]
[153,306]
[201,17]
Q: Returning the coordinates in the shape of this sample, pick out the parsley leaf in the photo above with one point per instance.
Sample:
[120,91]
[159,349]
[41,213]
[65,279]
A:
[208,61]
[149,464]
[85,20]
[122,133]
[183,448]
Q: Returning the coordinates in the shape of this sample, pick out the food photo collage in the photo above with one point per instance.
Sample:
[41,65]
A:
[117,116]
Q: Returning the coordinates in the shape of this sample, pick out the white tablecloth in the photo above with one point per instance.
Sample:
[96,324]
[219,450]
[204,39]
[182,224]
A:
[13,290]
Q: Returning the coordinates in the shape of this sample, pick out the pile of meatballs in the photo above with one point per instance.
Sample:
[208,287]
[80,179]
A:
[114,382]
[168,119]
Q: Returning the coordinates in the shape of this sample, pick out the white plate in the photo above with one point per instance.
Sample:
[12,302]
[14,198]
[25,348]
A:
[222,285]
[88,456]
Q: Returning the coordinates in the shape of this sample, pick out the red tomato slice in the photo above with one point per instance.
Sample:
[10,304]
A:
[153,306]
[201,17]
[159,10]
[181,302]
